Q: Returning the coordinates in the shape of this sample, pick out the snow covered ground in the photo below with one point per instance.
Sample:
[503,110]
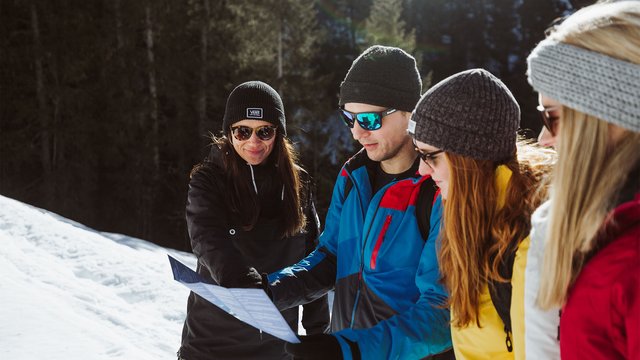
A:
[70,292]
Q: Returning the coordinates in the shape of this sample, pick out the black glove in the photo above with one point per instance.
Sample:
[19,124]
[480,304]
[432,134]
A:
[265,286]
[315,347]
[251,279]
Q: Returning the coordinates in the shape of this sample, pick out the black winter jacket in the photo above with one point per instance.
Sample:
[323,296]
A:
[225,252]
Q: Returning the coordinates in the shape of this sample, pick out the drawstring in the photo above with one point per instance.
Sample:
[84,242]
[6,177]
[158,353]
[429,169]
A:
[253,179]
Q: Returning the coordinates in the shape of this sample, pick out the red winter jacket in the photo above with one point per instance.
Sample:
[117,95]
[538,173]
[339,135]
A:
[601,319]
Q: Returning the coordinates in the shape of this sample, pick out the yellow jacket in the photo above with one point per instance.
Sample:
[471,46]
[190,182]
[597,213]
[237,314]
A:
[489,340]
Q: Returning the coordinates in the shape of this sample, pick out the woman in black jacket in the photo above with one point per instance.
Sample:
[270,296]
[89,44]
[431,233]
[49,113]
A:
[249,210]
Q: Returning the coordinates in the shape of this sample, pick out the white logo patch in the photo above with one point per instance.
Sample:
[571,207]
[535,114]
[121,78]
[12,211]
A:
[411,129]
[254,113]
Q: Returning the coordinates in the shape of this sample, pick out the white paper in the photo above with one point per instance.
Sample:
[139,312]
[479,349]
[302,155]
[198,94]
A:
[251,306]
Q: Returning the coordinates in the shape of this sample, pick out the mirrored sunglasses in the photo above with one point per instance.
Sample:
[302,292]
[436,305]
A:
[548,120]
[367,120]
[243,133]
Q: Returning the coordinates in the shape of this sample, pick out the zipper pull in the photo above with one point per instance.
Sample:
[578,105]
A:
[508,340]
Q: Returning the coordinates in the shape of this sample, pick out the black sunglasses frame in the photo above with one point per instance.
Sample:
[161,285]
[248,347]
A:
[548,121]
[348,118]
[235,131]
[427,157]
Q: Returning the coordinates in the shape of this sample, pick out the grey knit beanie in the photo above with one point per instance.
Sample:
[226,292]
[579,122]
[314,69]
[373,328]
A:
[587,81]
[254,100]
[471,113]
[383,76]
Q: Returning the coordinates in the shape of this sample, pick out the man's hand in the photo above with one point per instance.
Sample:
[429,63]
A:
[315,347]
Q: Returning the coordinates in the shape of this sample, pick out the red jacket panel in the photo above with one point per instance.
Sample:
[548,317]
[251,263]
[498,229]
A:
[601,319]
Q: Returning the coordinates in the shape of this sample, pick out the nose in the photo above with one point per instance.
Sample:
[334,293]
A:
[545,138]
[424,169]
[254,138]
[358,132]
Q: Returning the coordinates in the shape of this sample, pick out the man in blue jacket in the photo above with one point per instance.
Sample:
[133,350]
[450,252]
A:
[378,248]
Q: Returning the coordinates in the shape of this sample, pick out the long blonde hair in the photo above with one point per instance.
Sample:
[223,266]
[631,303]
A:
[478,232]
[591,167]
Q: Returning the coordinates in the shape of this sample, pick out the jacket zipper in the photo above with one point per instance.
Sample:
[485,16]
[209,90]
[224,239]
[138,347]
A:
[383,232]
[364,245]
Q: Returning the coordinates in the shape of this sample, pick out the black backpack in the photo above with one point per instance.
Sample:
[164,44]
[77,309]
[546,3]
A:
[501,291]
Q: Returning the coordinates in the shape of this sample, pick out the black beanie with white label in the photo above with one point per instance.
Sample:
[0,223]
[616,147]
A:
[383,76]
[254,100]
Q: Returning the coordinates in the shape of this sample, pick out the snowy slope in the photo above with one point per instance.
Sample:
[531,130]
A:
[69,292]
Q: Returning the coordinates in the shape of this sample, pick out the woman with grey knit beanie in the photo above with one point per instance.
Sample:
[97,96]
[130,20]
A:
[465,131]
[587,74]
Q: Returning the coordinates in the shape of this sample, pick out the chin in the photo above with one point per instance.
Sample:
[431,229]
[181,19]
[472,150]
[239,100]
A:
[375,156]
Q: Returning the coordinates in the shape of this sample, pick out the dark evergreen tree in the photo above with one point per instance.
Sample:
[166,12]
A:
[106,105]
[385,26]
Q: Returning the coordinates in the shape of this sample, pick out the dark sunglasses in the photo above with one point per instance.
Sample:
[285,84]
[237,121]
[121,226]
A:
[243,133]
[367,120]
[429,158]
[548,120]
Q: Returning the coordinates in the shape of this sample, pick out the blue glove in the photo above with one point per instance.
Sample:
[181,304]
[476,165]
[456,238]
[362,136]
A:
[315,347]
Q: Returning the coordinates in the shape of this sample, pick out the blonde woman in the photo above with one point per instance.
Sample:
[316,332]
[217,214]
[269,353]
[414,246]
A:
[590,68]
[464,129]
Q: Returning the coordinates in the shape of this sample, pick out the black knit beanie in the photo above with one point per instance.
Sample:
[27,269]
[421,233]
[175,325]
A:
[254,100]
[471,113]
[383,76]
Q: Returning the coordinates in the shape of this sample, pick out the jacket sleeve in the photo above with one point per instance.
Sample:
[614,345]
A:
[206,215]
[315,315]
[420,331]
[314,275]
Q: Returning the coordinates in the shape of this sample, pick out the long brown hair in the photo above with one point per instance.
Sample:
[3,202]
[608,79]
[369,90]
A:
[241,197]
[478,229]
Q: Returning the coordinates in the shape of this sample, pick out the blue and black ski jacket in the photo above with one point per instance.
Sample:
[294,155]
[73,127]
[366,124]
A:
[388,299]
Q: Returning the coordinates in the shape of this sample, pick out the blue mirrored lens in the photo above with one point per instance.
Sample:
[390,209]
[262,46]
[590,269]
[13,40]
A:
[369,121]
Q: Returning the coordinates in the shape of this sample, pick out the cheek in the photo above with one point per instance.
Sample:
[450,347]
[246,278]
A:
[269,148]
[236,146]
[424,169]
[442,168]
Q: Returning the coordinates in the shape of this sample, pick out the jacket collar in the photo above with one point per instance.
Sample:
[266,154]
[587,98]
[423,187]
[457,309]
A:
[503,176]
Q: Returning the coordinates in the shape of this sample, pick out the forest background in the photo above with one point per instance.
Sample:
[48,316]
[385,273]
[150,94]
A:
[105,105]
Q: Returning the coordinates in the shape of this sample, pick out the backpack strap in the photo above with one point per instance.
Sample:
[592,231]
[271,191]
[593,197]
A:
[424,204]
[501,291]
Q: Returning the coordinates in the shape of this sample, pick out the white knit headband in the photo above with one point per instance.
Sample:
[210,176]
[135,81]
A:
[587,81]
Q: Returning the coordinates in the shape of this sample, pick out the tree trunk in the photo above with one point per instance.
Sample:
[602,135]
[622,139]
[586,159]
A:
[153,117]
[45,131]
[204,49]
[153,91]
[118,15]
[280,71]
